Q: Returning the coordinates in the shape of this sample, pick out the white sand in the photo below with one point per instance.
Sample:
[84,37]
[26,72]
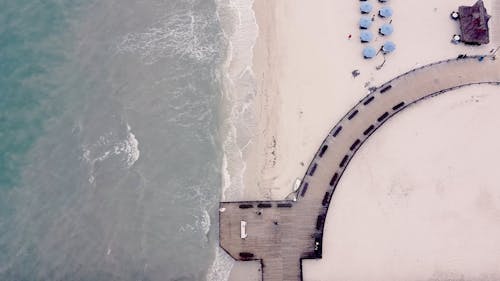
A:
[421,199]
[302,66]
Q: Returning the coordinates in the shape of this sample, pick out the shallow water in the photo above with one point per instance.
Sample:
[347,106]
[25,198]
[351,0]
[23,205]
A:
[110,152]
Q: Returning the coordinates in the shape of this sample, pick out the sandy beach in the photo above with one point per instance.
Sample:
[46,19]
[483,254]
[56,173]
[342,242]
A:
[421,199]
[303,61]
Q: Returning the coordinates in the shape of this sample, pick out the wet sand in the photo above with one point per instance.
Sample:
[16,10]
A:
[303,61]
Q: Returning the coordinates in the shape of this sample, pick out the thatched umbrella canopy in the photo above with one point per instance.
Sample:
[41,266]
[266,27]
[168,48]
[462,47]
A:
[474,24]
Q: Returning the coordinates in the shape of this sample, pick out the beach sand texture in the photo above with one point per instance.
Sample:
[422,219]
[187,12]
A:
[303,61]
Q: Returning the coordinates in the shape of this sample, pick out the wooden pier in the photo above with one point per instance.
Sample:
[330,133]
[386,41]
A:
[282,233]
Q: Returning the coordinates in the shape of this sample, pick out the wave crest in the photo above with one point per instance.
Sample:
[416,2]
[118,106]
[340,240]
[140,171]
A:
[107,147]
[184,35]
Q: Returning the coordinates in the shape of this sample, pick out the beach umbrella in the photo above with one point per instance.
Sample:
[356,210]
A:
[388,47]
[366,36]
[382,1]
[369,52]
[386,29]
[365,22]
[365,7]
[385,12]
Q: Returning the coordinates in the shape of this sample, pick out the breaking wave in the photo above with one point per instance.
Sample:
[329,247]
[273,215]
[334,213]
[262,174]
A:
[221,266]
[108,147]
[182,35]
[240,27]
[240,30]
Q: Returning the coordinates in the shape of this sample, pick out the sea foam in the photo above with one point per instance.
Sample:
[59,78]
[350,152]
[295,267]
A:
[182,35]
[240,30]
[107,147]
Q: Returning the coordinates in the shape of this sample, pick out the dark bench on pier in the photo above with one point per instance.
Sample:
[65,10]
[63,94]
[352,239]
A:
[246,255]
[246,206]
[385,89]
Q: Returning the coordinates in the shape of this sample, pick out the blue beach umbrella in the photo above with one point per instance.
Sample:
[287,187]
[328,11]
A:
[369,52]
[365,8]
[388,47]
[386,29]
[366,36]
[385,12]
[365,22]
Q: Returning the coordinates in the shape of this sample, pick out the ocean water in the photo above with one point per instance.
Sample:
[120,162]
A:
[112,132]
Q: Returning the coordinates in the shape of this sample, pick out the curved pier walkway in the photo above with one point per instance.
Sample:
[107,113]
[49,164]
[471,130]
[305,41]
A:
[282,233]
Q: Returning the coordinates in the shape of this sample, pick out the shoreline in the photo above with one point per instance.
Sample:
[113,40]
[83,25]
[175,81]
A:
[303,83]
[240,31]
[262,155]
[302,87]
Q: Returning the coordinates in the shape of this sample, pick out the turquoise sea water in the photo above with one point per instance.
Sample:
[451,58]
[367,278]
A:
[29,37]
[109,142]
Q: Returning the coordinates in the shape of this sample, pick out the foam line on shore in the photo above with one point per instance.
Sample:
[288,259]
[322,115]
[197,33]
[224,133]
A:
[240,29]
